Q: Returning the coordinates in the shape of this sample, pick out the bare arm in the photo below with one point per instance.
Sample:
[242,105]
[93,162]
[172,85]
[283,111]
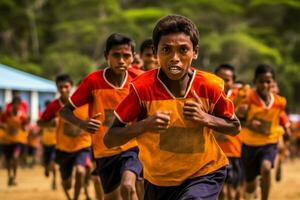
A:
[90,125]
[119,134]
[43,123]
[194,111]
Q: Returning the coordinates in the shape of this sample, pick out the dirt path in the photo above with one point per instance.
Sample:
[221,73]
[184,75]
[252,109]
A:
[32,185]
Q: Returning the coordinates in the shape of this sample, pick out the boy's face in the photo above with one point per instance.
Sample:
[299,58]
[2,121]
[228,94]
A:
[264,83]
[175,54]
[119,58]
[149,59]
[227,76]
[64,88]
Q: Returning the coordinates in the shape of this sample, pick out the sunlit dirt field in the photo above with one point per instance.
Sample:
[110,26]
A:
[32,185]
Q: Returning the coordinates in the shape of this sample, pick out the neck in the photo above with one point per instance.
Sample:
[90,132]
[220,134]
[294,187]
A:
[177,87]
[115,79]
[265,97]
[64,100]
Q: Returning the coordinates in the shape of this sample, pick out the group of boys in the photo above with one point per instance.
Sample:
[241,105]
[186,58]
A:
[167,132]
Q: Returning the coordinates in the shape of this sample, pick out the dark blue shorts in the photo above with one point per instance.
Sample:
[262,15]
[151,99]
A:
[12,150]
[67,161]
[48,154]
[253,157]
[205,187]
[31,151]
[234,172]
[110,169]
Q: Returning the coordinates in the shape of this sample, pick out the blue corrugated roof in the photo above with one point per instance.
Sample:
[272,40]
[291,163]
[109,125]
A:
[14,79]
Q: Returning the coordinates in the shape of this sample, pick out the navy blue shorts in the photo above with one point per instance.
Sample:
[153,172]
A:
[67,161]
[205,187]
[253,157]
[110,169]
[48,154]
[31,151]
[13,150]
[234,172]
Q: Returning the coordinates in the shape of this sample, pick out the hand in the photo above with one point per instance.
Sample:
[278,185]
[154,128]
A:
[91,125]
[242,110]
[159,122]
[194,111]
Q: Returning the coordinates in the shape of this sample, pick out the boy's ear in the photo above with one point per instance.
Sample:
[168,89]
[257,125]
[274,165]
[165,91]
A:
[196,52]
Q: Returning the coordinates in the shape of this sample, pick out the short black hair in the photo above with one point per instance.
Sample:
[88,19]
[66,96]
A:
[118,39]
[63,78]
[146,44]
[226,67]
[175,24]
[16,99]
[263,69]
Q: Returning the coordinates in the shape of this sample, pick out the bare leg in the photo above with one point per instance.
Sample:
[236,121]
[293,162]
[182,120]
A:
[127,186]
[140,189]
[265,179]
[98,188]
[67,184]
[79,180]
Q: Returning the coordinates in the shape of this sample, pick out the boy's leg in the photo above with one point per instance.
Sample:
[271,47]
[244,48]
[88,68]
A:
[251,163]
[269,153]
[128,185]
[97,182]
[131,171]
[66,162]
[265,179]
[118,172]
[82,161]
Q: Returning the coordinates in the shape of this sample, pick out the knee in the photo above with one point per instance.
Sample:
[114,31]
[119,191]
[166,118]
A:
[80,170]
[127,185]
[266,168]
[127,189]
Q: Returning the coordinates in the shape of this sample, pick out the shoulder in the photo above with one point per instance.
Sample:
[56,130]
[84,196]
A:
[94,76]
[133,72]
[54,105]
[146,79]
[280,101]
[209,80]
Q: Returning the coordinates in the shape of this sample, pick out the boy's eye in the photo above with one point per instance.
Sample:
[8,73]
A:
[166,49]
[183,50]
[116,55]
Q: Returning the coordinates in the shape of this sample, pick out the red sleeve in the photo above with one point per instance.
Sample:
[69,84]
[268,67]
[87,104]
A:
[51,110]
[83,94]
[284,120]
[224,107]
[130,108]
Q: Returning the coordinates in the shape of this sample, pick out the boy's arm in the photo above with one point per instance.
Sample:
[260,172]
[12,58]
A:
[119,134]
[194,111]
[48,117]
[90,125]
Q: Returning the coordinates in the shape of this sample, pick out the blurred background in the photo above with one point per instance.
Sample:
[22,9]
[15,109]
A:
[47,37]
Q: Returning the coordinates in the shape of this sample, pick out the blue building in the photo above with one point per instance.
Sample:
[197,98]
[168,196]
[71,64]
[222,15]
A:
[33,89]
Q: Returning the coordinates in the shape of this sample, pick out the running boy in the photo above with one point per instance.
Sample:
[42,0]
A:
[148,56]
[231,145]
[118,167]
[73,145]
[15,138]
[261,131]
[176,106]
[49,142]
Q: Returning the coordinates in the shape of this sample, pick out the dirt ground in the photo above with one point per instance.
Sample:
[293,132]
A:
[32,185]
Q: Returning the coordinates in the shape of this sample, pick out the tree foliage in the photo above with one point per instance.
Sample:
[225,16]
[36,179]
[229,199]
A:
[48,37]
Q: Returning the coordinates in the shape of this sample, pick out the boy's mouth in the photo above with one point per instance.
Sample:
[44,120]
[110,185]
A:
[175,69]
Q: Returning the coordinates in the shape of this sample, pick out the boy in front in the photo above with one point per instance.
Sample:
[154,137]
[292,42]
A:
[176,106]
